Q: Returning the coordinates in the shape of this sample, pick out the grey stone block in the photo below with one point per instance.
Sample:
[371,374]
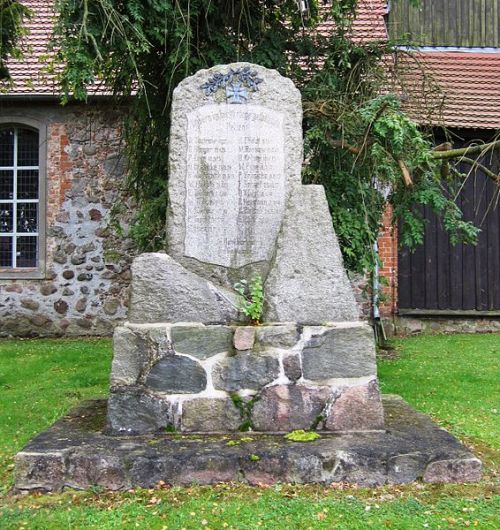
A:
[307,282]
[289,407]
[202,341]
[131,411]
[280,336]
[104,470]
[164,291]
[405,468]
[210,415]
[292,367]
[176,374]
[339,352]
[245,370]
[464,469]
[130,354]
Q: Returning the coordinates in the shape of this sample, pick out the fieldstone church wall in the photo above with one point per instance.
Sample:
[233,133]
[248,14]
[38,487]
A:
[85,288]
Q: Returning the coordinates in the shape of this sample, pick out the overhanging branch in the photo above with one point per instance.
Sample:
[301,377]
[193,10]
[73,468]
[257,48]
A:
[481,167]
[464,151]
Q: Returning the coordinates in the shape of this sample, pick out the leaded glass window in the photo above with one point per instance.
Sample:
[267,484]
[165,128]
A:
[19,198]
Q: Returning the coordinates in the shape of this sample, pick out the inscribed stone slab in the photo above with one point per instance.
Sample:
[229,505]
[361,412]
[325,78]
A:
[235,155]
[235,183]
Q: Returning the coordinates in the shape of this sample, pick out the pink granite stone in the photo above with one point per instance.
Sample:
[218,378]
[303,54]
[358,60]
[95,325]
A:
[358,408]
[289,407]
[244,338]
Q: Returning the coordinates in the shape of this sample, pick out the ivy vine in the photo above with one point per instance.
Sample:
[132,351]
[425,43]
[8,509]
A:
[358,143]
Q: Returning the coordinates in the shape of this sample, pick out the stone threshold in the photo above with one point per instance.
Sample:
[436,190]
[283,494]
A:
[74,453]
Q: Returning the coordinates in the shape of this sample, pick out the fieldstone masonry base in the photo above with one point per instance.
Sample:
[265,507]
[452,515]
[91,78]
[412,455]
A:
[216,378]
[74,453]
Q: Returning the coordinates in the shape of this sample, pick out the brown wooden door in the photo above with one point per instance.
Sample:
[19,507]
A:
[441,276]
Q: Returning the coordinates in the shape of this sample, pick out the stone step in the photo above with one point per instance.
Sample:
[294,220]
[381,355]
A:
[74,453]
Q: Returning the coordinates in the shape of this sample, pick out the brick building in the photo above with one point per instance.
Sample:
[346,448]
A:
[63,268]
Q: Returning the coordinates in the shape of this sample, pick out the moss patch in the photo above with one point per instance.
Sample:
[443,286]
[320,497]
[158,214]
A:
[302,436]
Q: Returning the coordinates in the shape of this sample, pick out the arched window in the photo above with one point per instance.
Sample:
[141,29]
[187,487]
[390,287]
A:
[21,201]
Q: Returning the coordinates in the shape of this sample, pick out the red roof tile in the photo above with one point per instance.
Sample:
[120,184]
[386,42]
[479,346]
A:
[469,82]
[469,88]
[31,75]
[369,24]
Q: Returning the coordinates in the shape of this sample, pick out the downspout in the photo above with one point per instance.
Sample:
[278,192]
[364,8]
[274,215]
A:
[376,284]
[378,326]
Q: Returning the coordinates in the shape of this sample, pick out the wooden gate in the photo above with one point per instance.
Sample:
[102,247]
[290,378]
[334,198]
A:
[440,277]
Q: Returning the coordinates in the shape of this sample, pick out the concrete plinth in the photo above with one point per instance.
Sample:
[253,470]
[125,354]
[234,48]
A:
[74,453]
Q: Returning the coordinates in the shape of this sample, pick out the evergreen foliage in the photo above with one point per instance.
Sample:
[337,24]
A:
[358,143]
[12,14]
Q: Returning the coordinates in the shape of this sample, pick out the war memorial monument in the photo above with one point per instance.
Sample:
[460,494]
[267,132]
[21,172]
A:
[191,375]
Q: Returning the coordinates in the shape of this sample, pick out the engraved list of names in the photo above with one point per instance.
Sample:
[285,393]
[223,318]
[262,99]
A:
[235,183]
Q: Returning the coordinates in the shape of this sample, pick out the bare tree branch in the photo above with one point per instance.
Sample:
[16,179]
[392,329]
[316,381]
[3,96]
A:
[472,150]
[481,167]
[340,144]
[406,173]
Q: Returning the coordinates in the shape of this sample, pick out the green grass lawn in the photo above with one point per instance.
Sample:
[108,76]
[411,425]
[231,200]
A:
[454,378]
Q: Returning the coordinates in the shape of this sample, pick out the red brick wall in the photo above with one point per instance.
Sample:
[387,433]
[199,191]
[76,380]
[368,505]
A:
[388,252]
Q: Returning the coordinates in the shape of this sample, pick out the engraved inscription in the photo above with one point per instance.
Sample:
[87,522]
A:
[235,183]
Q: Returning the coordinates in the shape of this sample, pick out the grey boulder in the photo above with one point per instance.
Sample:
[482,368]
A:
[164,291]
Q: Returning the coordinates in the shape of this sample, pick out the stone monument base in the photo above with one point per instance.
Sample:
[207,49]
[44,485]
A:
[74,453]
[191,377]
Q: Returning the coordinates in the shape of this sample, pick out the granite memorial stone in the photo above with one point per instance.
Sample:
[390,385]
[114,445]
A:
[237,208]
[188,361]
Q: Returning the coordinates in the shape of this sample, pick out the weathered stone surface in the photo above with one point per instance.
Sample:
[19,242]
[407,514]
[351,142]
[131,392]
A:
[14,288]
[292,367]
[29,303]
[177,374]
[40,320]
[339,352]
[61,307]
[201,341]
[246,369]
[60,257]
[47,289]
[104,470]
[245,158]
[405,468]
[307,282]
[459,470]
[164,291]
[357,408]
[43,471]
[131,411]
[130,355]
[210,415]
[279,336]
[244,338]
[289,407]
[85,323]
[77,259]
[68,274]
[81,305]
[411,448]
[111,306]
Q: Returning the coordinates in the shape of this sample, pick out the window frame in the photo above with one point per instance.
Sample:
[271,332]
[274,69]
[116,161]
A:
[39,272]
